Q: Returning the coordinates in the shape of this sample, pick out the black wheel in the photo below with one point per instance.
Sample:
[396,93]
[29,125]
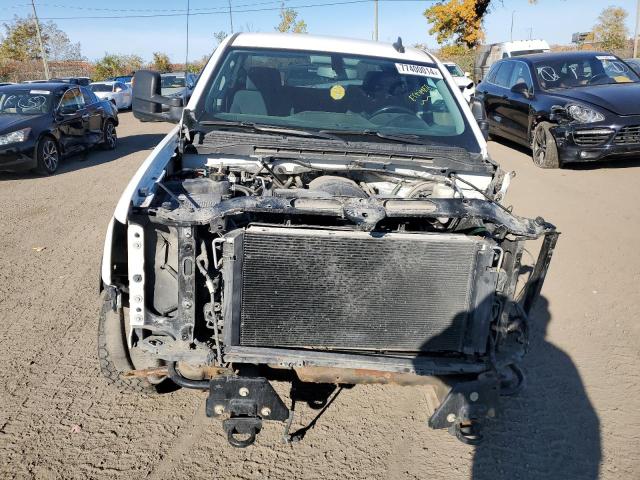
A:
[109,135]
[47,156]
[544,148]
[114,355]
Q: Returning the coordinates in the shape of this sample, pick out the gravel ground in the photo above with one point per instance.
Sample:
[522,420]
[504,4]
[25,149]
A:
[578,417]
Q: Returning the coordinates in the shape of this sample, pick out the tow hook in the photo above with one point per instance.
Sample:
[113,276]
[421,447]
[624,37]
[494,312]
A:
[465,406]
[248,402]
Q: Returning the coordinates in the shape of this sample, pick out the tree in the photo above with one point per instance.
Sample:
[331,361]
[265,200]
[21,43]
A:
[611,30]
[20,42]
[288,23]
[220,36]
[161,62]
[459,21]
[114,65]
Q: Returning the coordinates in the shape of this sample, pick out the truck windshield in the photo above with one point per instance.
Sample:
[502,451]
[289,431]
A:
[337,92]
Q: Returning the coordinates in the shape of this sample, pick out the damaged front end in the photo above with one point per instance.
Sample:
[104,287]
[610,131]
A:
[322,270]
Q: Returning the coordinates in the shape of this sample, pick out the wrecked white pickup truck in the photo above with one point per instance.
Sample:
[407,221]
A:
[325,213]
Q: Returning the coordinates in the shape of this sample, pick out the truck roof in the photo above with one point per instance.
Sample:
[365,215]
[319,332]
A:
[320,43]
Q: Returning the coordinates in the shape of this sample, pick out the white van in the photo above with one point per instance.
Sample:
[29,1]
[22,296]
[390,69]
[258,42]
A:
[489,54]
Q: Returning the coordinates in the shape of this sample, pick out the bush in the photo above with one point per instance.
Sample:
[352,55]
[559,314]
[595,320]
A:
[114,65]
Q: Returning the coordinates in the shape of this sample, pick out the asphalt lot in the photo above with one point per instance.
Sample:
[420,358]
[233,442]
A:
[578,417]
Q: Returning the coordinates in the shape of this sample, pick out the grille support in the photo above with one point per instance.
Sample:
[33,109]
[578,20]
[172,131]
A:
[357,291]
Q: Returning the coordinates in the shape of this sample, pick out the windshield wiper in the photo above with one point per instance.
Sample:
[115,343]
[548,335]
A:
[256,127]
[401,138]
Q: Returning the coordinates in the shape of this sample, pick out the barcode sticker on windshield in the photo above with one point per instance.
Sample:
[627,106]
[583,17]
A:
[606,57]
[39,92]
[420,70]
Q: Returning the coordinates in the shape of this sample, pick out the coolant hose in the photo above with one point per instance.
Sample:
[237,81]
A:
[184,382]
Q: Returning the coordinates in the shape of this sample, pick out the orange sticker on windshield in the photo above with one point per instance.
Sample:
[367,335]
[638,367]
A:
[337,92]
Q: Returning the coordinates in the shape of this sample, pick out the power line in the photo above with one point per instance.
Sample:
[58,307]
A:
[217,11]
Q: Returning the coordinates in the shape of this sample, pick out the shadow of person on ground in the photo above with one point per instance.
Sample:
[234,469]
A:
[549,430]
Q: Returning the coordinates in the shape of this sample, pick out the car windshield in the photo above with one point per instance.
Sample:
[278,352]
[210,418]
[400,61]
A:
[171,81]
[101,87]
[580,71]
[336,92]
[25,101]
[125,79]
[455,70]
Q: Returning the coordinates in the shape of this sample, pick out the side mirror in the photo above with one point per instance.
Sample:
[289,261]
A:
[480,114]
[521,89]
[68,109]
[118,90]
[148,104]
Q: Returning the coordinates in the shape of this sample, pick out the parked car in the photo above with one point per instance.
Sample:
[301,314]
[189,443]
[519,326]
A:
[466,85]
[634,63]
[568,106]
[342,231]
[118,93]
[82,81]
[178,84]
[126,79]
[489,54]
[39,124]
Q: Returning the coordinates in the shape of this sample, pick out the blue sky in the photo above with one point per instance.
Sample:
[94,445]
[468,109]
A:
[553,20]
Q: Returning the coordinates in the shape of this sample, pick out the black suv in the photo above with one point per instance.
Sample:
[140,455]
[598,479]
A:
[567,106]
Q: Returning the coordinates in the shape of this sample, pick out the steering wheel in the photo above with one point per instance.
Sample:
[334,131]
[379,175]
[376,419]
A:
[393,109]
[597,76]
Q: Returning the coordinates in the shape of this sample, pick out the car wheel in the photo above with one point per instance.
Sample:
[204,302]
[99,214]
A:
[544,148]
[114,354]
[47,156]
[109,135]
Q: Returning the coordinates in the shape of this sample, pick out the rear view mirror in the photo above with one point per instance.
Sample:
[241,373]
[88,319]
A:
[148,104]
[480,115]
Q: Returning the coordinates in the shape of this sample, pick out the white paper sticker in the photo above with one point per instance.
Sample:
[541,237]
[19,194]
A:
[40,92]
[420,70]
[606,57]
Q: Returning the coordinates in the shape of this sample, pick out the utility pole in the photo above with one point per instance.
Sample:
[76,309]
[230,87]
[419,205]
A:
[635,38]
[512,15]
[231,16]
[42,52]
[186,55]
[375,20]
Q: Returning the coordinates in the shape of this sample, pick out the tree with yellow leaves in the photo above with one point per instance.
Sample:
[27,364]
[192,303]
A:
[459,21]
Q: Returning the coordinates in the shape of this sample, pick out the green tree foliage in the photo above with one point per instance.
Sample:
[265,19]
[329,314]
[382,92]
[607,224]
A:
[20,42]
[611,30]
[114,65]
[161,62]
[289,21]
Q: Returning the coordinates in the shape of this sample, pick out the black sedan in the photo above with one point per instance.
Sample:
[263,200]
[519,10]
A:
[567,106]
[40,123]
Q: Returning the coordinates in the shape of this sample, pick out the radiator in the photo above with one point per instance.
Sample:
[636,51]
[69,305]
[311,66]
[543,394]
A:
[346,290]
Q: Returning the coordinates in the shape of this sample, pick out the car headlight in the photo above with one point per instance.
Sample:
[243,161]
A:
[584,114]
[15,137]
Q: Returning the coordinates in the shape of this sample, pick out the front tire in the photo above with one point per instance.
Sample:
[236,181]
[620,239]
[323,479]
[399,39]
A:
[544,148]
[109,135]
[47,156]
[113,352]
